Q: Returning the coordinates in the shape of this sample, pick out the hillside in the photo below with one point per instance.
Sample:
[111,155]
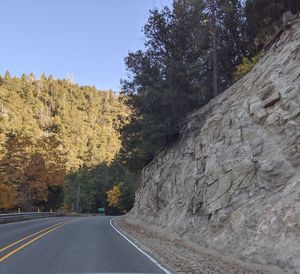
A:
[83,118]
[231,183]
[80,123]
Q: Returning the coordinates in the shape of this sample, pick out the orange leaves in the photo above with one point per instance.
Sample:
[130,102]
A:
[31,166]
[8,195]
[113,196]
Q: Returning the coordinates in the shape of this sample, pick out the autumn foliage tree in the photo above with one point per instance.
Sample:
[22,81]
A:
[53,126]
[32,167]
[113,196]
[8,195]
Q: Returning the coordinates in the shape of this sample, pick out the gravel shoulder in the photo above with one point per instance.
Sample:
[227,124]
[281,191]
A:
[184,257]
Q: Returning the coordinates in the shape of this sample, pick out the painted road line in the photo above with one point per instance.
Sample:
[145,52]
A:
[29,236]
[31,241]
[139,249]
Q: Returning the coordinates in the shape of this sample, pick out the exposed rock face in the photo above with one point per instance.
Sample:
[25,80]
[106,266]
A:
[232,182]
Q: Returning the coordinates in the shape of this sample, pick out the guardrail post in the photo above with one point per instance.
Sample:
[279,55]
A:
[19,210]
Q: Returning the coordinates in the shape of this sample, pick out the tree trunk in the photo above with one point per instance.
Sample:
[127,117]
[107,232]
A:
[215,48]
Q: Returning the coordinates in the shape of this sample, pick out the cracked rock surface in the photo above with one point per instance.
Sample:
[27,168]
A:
[232,181]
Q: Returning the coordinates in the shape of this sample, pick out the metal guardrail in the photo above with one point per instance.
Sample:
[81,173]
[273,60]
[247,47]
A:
[15,217]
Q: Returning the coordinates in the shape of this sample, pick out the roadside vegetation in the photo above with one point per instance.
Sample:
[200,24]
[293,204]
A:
[76,148]
[193,53]
[58,144]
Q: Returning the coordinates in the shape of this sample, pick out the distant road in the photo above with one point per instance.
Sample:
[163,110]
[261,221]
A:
[68,245]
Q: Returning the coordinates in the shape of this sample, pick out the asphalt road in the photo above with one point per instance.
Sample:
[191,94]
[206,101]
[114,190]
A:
[68,245]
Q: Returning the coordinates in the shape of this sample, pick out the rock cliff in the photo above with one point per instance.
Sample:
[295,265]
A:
[232,181]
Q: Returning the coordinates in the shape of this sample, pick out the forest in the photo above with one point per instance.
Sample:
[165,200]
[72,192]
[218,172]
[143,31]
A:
[75,148]
[58,144]
[193,52]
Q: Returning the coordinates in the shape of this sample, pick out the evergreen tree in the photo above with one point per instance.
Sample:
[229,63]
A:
[263,19]
[191,55]
[168,80]
[212,8]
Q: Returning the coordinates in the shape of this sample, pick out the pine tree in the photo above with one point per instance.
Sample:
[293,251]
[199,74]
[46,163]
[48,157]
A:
[212,6]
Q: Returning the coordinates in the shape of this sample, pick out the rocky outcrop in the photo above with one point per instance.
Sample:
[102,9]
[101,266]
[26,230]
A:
[232,181]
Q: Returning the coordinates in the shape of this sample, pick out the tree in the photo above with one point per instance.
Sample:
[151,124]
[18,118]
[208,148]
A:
[168,80]
[33,167]
[263,19]
[232,43]
[113,196]
[213,22]
[127,196]
[50,128]
[8,196]
[191,56]
[7,75]
[245,67]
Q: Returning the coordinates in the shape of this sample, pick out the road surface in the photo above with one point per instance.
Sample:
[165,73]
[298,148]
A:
[68,245]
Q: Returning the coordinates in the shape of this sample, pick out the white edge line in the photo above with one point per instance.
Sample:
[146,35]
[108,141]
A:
[140,250]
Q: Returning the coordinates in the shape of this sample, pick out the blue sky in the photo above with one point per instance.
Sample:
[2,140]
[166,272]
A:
[87,39]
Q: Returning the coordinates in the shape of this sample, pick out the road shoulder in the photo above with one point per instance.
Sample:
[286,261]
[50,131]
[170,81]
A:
[182,256]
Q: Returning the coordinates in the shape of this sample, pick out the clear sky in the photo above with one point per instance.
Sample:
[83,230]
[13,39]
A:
[87,39]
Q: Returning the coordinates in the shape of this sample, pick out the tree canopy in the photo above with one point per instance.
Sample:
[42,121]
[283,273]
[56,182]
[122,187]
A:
[78,148]
[192,52]
[49,129]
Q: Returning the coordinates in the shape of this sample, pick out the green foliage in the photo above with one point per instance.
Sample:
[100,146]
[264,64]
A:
[80,191]
[84,119]
[86,189]
[127,195]
[245,67]
[45,120]
[198,47]
[186,54]
[263,19]
[174,75]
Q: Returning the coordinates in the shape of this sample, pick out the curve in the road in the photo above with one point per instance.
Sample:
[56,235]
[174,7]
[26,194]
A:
[87,245]
[139,249]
